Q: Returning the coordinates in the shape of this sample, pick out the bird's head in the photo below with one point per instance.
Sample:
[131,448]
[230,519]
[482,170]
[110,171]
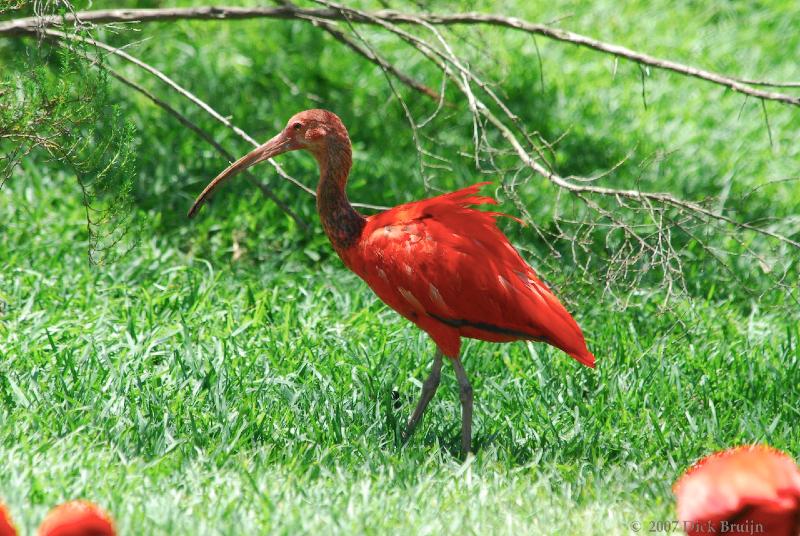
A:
[315,130]
[320,132]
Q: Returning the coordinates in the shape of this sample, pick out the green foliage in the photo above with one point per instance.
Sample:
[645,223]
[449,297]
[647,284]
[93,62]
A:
[56,110]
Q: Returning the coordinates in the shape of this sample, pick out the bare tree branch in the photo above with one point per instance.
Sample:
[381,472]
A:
[767,83]
[741,85]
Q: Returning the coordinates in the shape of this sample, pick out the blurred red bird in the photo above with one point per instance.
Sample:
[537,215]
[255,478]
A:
[746,490]
[7,527]
[77,518]
[439,262]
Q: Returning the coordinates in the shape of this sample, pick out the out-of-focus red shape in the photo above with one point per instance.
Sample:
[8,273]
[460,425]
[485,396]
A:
[6,526]
[77,518]
[746,490]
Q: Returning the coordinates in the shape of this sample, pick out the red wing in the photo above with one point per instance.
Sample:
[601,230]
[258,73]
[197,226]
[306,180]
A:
[443,259]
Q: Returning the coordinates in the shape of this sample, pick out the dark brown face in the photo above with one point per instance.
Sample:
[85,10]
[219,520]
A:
[311,130]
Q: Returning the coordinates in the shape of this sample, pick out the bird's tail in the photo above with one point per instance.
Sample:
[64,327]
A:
[586,357]
[561,329]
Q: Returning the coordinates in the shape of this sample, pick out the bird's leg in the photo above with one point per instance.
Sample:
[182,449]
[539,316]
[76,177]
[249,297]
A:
[428,390]
[465,392]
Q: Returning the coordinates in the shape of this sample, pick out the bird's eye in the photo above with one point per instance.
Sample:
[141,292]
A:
[297,126]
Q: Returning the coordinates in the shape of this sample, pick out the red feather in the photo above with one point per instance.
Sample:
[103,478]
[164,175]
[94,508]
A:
[744,490]
[446,266]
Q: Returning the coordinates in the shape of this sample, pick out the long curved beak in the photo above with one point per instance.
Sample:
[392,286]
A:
[277,145]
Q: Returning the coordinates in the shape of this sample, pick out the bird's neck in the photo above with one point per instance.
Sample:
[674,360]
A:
[341,222]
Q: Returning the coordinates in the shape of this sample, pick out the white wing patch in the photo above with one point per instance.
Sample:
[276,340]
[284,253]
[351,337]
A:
[411,299]
[437,298]
[382,275]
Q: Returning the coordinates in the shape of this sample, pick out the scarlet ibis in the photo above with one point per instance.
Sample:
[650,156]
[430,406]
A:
[77,518]
[439,262]
[6,525]
[745,490]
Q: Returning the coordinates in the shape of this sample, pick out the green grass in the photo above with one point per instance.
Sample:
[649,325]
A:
[236,397]
[189,393]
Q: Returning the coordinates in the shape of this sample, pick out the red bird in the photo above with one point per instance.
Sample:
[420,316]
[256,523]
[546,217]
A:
[746,490]
[439,262]
[77,518]
[7,527]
